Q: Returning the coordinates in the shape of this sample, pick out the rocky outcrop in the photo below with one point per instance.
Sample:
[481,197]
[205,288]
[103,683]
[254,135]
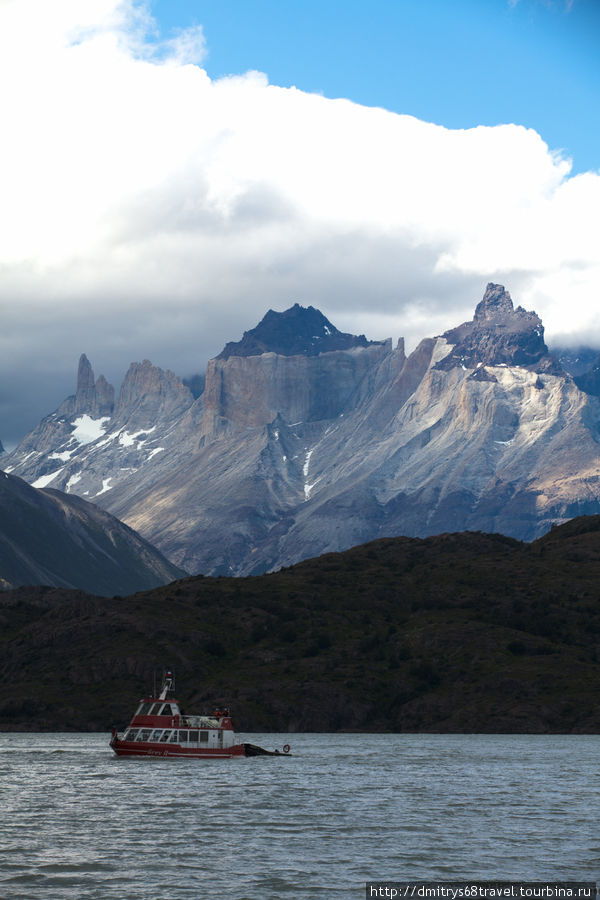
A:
[49,538]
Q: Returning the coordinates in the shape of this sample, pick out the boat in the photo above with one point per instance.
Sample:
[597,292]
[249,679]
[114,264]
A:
[159,728]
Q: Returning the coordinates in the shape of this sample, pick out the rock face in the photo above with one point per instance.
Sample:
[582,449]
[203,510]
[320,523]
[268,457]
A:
[51,539]
[254,390]
[306,440]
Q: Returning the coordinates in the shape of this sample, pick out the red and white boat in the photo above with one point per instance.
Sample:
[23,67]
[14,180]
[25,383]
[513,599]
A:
[159,728]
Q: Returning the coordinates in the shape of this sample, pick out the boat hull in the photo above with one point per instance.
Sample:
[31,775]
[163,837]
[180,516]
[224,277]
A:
[143,748]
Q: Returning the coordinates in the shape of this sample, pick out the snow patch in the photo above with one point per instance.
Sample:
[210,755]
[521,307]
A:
[154,452]
[73,480]
[88,429]
[307,487]
[127,440]
[106,486]
[64,456]
[10,468]
[44,480]
[307,463]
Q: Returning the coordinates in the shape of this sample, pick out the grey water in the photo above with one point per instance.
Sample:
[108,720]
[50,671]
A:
[78,822]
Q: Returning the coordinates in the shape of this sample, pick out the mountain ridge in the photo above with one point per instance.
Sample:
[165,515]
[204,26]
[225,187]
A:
[49,538]
[457,633]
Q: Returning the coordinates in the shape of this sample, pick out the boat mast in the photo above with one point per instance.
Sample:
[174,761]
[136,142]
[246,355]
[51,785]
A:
[168,684]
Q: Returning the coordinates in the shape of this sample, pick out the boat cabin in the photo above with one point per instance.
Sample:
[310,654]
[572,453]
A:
[160,720]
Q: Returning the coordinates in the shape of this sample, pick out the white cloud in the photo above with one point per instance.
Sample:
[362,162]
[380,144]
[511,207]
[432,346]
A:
[565,5]
[148,211]
[188,46]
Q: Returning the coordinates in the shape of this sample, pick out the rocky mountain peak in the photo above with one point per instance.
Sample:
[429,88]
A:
[142,378]
[105,397]
[148,393]
[85,374]
[298,331]
[86,388]
[93,398]
[496,304]
[498,335]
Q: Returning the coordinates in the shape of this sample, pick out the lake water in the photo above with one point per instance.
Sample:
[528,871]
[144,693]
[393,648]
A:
[77,822]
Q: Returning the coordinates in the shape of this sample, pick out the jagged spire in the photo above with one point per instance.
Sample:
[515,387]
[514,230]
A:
[496,303]
[92,397]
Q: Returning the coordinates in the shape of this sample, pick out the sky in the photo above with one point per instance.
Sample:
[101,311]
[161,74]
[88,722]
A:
[171,169]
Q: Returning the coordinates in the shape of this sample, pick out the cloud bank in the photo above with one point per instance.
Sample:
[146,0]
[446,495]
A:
[148,211]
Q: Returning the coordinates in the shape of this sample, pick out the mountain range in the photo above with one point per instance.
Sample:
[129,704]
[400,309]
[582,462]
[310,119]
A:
[301,440]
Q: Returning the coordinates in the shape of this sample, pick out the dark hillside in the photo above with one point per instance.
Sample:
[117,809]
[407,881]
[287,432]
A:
[455,633]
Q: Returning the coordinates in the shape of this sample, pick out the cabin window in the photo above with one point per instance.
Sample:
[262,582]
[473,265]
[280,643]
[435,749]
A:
[144,734]
[131,734]
[194,737]
[166,710]
[173,738]
[144,709]
[183,736]
[156,734]
[204,737]
[155,709]
[165,736]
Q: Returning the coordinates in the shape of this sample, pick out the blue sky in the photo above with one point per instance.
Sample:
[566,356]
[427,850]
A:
[459,64]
